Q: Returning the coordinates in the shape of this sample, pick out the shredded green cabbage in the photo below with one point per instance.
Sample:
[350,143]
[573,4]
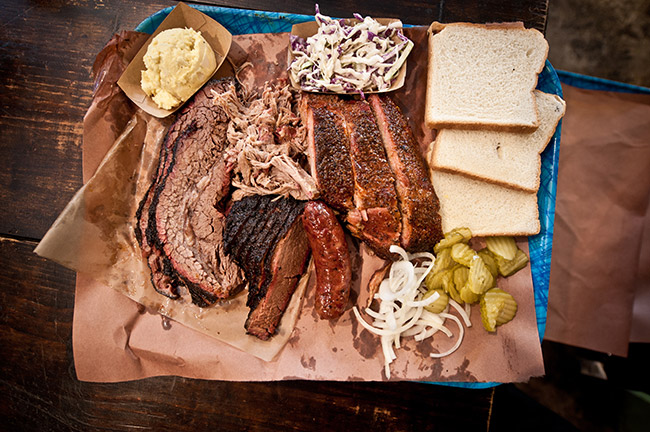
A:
[342,58]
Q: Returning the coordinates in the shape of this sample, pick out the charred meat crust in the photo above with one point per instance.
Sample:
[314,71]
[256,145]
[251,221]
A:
[188,256]
[376,217]
[293,212]
[163,278]
[329,147]
[262,219]
[418,203]
[263,243]
[249,217]
[259,233]
[285,267]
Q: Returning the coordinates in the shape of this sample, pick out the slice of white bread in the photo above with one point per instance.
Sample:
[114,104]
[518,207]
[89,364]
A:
[485,208]
[511,159]
[483,75]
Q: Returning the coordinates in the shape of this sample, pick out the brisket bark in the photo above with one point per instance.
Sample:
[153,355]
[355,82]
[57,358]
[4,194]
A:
[179,226]
[418,203]
[265,236]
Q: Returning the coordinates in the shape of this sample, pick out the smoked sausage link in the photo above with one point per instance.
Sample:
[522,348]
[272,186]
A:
[331,259]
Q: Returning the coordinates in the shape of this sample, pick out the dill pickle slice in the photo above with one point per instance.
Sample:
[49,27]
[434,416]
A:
[497,308]
[461,274]
[490,261]
[443,261]
[438,305]
[504,247]
[448,284]
[457,235]
[462,254]
[510,267]
[480,279]
[434,280]
[468,296]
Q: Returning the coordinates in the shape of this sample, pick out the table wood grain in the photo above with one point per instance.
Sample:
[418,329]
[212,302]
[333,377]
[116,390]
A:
[46,55]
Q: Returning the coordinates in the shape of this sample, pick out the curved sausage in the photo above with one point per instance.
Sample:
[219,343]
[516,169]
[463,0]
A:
[331,258]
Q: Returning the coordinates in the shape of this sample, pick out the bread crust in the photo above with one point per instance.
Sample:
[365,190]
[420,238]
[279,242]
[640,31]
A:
[436,26]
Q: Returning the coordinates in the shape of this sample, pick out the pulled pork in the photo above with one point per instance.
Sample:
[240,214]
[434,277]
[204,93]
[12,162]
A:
[267,143]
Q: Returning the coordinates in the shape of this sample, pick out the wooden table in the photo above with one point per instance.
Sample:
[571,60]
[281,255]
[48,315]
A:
[46,55]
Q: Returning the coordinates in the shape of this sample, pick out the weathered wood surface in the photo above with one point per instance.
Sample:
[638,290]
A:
[46,56]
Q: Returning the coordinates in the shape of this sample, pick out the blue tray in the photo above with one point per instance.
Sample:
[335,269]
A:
[595,83]
[243,21]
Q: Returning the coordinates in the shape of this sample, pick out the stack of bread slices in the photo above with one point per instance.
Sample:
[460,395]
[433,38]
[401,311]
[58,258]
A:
[492,125]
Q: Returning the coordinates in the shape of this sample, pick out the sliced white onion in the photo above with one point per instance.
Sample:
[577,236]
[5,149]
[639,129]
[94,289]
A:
[398,250]
[461,311]
[458,341]
[428,333]
[468,310]
[401,309]
[426,302]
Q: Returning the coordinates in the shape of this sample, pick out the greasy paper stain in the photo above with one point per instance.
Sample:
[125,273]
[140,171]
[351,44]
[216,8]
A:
[309,363]
[294,338]
[424,348]
[509,351]
[366,344]
[461,373]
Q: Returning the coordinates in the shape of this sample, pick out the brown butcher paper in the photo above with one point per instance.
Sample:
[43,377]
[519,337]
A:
[599,293]
[116,338]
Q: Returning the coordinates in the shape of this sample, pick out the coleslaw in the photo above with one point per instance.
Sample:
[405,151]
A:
[349,58]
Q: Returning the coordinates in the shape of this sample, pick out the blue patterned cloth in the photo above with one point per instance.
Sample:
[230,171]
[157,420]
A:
[241,21]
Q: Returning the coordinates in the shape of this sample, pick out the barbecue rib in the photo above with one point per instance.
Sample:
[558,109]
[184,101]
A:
[264,234]
[349,163]
[178,224]
[329,150]
[375,218]
[421,228]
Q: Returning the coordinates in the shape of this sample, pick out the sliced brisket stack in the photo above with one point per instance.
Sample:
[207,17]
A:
[179,225]
[368,166]
[264,234]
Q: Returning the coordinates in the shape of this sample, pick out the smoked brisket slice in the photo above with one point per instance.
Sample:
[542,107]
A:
[179,226]
[265,236]
[418,203]
[263,222]
[284,268]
